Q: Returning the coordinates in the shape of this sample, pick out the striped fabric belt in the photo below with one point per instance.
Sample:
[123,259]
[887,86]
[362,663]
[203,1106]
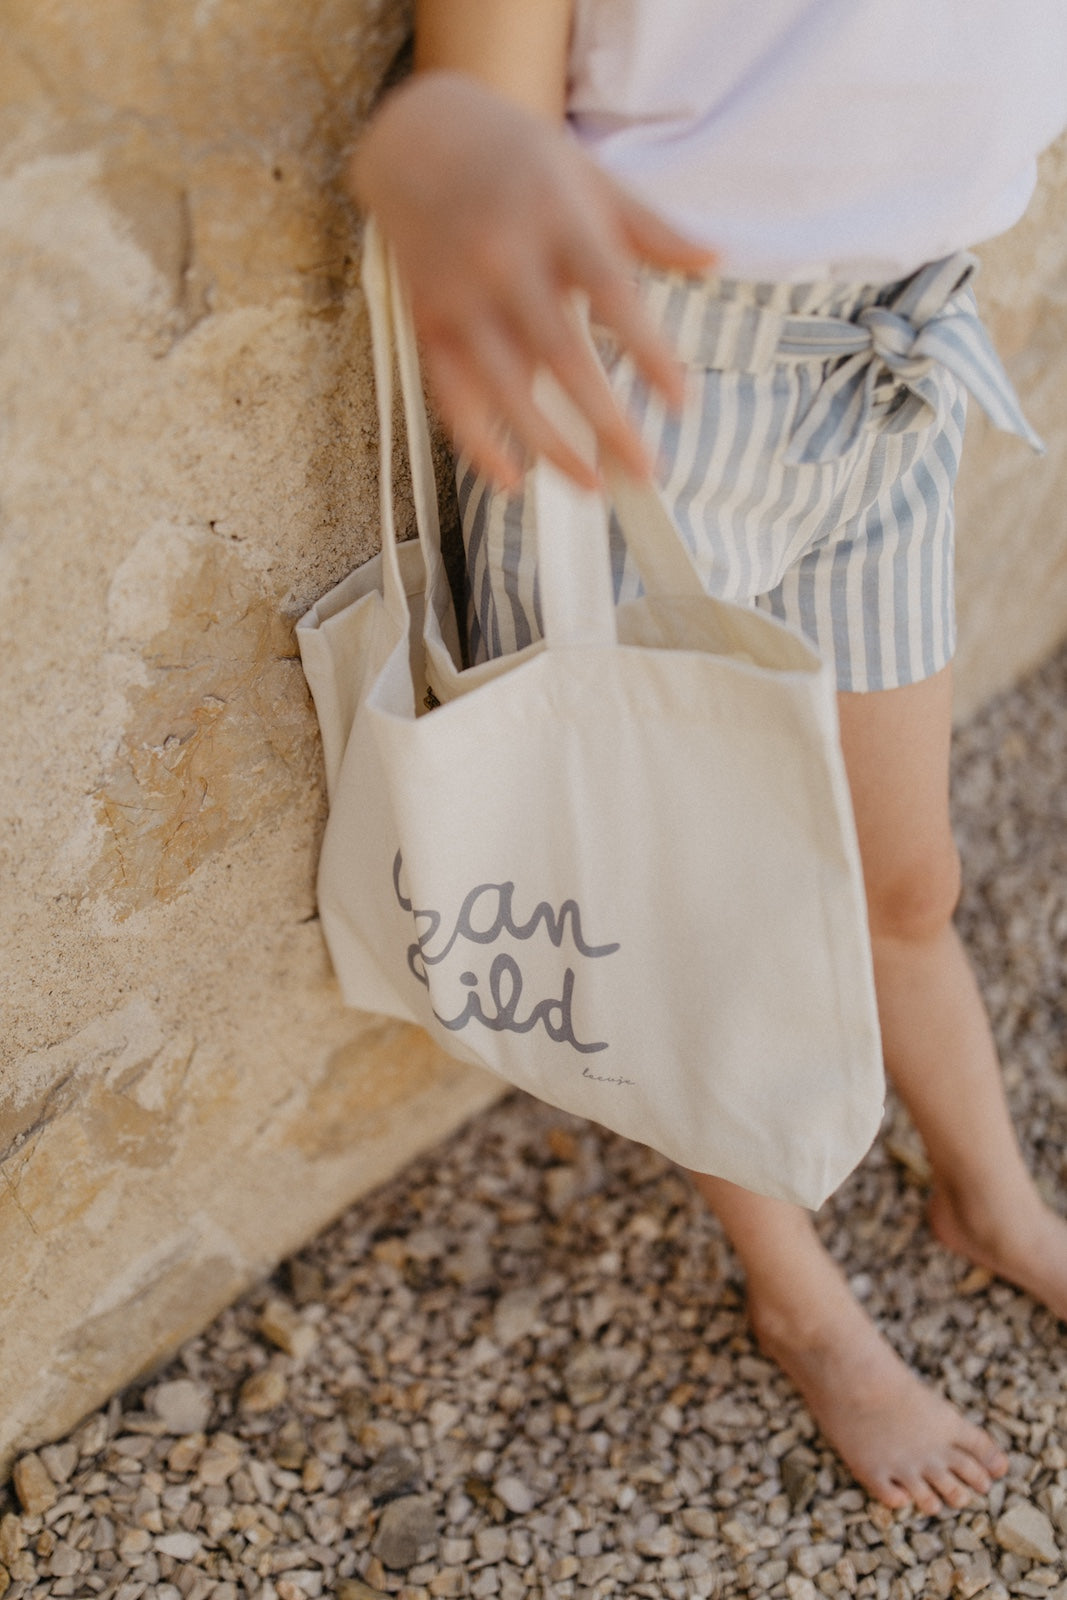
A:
[930,320]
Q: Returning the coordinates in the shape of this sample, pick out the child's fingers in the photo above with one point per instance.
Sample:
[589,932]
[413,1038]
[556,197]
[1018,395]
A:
[615,304]
[547,328]
[583,380]
[602,261]
[474,427]
[624,314]
[486,384]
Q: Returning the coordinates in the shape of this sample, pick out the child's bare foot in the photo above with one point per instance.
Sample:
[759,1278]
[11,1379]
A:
[1026,1243]
[903,1442]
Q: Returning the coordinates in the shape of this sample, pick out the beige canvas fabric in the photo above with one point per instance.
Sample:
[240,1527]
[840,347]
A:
[618,868]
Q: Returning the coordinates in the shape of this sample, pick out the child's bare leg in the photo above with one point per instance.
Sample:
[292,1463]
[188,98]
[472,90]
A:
[938,1044]
[902,1441]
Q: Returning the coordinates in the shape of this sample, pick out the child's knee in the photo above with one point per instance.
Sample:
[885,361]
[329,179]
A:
[917,901]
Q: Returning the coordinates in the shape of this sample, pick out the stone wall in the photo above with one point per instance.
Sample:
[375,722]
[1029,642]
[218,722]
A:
[1012,522]
[187,460]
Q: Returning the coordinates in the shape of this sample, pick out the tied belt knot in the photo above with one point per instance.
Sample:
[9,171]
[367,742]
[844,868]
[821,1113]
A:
[931,319]
[896,342]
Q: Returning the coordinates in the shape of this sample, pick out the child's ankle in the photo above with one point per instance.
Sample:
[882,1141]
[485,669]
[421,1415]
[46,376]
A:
[795,1321]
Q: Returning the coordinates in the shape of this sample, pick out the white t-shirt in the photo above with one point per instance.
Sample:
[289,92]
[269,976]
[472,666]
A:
[814,139]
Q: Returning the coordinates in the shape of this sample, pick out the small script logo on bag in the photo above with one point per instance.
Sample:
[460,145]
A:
[486,916]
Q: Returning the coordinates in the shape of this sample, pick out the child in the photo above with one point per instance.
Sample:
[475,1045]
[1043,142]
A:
[821,153]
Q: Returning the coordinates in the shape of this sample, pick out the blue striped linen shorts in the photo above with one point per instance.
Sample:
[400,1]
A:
[810,472]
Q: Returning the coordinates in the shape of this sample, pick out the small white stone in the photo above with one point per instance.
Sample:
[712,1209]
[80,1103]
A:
[60,1459]
[798,1588]
[701,1522]
[663,1542]
[491,1543]
[516,1495]
[517,1314]
[65,1560]
[454,1552]
[182,1546]
[1025,1531]
[283,1326]
[442,1416]
[92,1435]
[221,1457]
[183,1405]
[134,1543]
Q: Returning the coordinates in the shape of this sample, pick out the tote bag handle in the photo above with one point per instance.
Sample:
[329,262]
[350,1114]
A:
[574,563]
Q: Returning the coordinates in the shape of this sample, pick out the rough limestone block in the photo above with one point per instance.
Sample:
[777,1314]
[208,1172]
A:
[187,459]
[1012,521]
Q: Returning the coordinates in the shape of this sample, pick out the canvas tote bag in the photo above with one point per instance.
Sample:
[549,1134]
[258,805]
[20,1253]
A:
[618,868]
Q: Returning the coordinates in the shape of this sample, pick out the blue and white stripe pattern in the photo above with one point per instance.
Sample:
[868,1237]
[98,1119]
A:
[811,472]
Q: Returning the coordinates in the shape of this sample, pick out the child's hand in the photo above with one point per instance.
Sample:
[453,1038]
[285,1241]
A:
[495,215]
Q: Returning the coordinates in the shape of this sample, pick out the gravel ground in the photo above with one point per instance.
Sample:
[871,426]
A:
[522,1368]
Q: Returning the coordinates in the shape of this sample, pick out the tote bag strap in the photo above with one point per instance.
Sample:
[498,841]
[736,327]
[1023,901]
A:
[392,330]
[573,556]
[440,632]
[573,553]
[376,289]
[574,565]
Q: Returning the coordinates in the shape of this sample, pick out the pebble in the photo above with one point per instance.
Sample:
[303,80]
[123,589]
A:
[563,1185]
[33,1485]
[663,1541]
[800,1480]
[219,1459]
[491,1543]
[263,1391]
[396,1471]
[135,1542]
[60,1460]
[65,1561]
[798,1588]
[407,1532]
[185,1453]
[182,1546]
[307,1281]
[700,1521]
[515,1494]
[283,1325]
[183,1405]
[442,1417]
[1024,1530]
[516,1315]
[587,1376]
[12,1537]
[449,1581]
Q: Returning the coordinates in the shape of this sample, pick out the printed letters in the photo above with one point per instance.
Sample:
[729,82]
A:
[487,913]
